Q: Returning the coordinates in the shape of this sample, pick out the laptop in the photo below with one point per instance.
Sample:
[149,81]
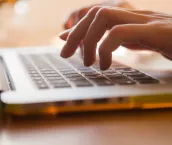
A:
[38,81]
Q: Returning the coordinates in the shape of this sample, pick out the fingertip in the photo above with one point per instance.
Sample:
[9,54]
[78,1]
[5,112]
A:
[103,67]
[65,54]
[87,64]
[66,51]
[105,61]
[89,60]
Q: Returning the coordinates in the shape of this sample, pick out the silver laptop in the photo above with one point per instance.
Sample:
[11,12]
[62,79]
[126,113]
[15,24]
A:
[38,81]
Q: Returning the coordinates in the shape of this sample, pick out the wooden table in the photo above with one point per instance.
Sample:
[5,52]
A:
[104,128]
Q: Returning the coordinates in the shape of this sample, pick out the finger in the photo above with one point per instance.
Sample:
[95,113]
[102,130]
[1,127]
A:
[82,50]
[77,35]
[69,22]
[63,35]
[147,12]
[75,17]
[135,46]
[119,34]
[84,10]
[105,19]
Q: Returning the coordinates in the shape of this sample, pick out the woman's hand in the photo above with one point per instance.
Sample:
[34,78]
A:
[77,15]
[131,28]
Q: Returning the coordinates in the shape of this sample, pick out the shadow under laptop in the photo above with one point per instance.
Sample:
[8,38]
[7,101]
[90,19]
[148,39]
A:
[34,122]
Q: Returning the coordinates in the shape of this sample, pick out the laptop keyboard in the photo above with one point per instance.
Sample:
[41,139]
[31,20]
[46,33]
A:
[49,71]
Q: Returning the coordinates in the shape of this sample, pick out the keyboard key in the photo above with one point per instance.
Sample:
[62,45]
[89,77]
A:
[114,75]
[72,75]
[49,72]
[87,70]
[118,76]
[126,70]
[148,81]
[37,78]
[90,73]
[51,75]
[102,82]
[126,83]
[35,75]
[134,74]
[55,78]
[82,83]
[33,72]
[61,85]
[57,81]
[96,77]
[122,81]
[70,72]
[66,69]
[77,79]
[39,82]
[141,77]
[42,86]
[46,69]
[108,72]
[31,69]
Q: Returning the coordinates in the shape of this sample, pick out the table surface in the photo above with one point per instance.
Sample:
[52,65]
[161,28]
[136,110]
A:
[152,127]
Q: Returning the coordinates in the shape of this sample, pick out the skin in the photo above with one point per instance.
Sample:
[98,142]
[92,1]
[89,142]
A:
[136,29]
[77,15]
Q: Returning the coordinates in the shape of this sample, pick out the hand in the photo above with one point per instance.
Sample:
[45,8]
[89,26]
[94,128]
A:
[77,15]
[141,29]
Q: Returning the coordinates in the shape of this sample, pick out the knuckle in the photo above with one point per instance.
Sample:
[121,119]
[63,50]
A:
[148,12]
[101,12]
[94,9]
[156,23]
[117,31]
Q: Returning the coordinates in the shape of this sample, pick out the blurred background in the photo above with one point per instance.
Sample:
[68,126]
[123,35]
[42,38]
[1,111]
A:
[35,22]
